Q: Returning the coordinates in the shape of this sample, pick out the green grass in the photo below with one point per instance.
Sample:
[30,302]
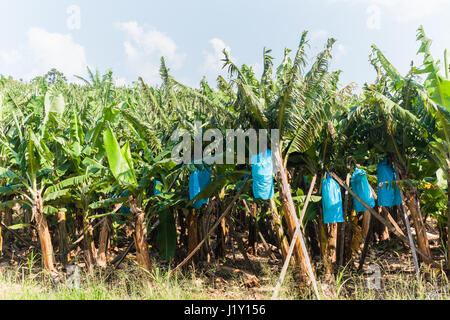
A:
[131,283]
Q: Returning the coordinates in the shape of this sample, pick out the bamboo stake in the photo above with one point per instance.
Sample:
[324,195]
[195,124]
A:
[266,246]
[388,215]
[411,239]
[383,220]
[15,234]
[291,249]
[302,258]
[408,229]
[342,235]
[367,241]
[308,197]
[413,204]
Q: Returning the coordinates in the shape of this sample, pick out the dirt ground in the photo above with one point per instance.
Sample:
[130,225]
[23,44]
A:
[234,277]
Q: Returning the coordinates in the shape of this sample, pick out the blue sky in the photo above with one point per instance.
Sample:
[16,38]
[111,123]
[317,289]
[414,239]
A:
[129,37]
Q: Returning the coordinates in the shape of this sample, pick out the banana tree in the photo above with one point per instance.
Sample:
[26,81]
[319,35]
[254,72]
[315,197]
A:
[436,92]
[281,103]
[122,168]
[34,159]
[84,176]
[392,120]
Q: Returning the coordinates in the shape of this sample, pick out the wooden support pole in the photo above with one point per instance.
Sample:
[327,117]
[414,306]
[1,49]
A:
[411,201]
[342,228]
[303,263]
[15,234]
[388,215]
[291,249]
[408,230]
[367,240]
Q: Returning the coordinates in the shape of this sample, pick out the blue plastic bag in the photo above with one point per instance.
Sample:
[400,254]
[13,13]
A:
[155,190]
[361,187]
[197,182]
[331,201]
[262,172]
[124,209]
[388,196]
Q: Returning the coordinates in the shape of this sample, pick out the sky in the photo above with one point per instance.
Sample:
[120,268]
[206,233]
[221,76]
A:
[129,37]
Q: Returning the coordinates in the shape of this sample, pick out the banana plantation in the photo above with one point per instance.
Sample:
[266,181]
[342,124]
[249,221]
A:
[87,175]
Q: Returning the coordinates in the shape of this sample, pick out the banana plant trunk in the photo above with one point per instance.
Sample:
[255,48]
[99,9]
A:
[1,236]
[90,251]
[278,227]
[63,239]
[366,223]
[37,208]
[291,218]
[104,242]
[326,243]
[222,239]
[411,199]
[193,232]
[332,243]
[448,214]
[8,222]
[252,232]
[413,206]
[140,235]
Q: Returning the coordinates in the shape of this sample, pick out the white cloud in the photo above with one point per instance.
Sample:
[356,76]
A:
[144,48]
[54,50]
[41,52]
[213,60]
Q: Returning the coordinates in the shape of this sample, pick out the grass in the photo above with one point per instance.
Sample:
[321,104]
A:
[28,282]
